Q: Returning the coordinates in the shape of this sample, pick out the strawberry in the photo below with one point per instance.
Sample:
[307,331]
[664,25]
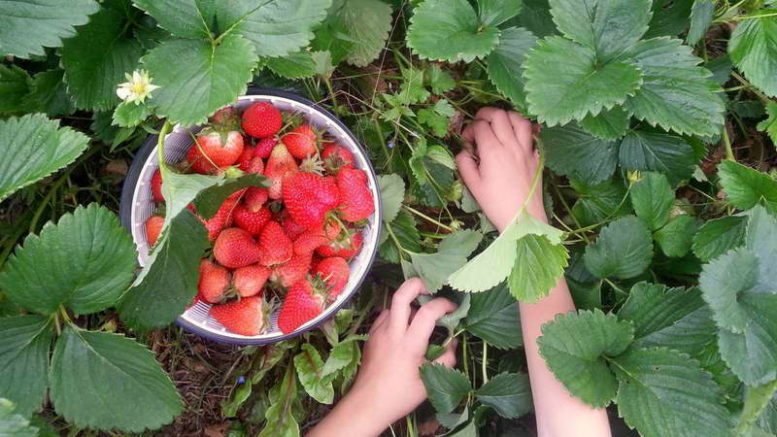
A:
[262,120]
[252,222]
[264,147]
[214,151]
[345,248]
[249,280]
[334,272]
[255,197]
[235,248]
[154,228]
[336,157]
[223,217]
[245,157]
[356,202]
[309,241]
[292,229]
[294,270]
[301,142]
[245,316]
[274,245]
[156,187]
[303,303]
[279,164]
[308,197]
[226,119]
[214,282]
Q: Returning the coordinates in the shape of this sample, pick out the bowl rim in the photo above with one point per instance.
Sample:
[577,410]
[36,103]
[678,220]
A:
[149,146]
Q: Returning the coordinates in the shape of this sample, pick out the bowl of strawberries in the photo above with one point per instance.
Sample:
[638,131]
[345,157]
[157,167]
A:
[285,256]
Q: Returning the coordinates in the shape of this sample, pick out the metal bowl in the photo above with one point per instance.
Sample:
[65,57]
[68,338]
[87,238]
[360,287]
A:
[137,206]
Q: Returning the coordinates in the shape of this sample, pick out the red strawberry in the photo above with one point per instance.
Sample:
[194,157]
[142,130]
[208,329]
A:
[262,120]
[156,187]
[301,142]
[253,222]
[309,241]
[245,316]
[292,229]
[345,248]
[214,282]
[215,151]
[154,228]
[279,164]
[226,119]
[264,147]
[245,157]
[294,270]
[249,281]
[308,197]
[302,303]
[255,197]
[235,248]
[356,202]
[223,217]
[336,157]
[275,246]
[334,272]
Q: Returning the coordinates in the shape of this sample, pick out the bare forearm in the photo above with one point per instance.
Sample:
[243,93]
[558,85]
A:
[558,413]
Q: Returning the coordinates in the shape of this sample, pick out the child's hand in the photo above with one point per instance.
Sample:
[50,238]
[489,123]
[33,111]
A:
[389,385]
[498,164]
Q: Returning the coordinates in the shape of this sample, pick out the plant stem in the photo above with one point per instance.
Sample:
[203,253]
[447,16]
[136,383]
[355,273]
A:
[484,362]
[727,145]
[427,218]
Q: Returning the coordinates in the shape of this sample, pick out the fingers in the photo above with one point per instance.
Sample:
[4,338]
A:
[468,135]
[523,130]
[400,304]
[425,320]
[468,169]
[380,321]
[448,358]
[501,125]
[485,138]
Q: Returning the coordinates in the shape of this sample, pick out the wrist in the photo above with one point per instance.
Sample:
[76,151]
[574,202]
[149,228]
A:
[356,414]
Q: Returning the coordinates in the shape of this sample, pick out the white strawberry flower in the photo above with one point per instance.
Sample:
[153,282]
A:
[137,88]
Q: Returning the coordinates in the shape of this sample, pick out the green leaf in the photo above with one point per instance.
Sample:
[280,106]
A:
[449,30]
[280,415]
[770,124]
[676,93]
[609,125]
[439,124]
[211,192]
[580,86]
[15,84]
[24,360]
[184,18]
[404,229]
[493,317]
[654,151]
[768,417]
[168,281]
[718,236]
[440,81]
[669,18]
[586,289]
[368,23]
[392,193]
[702,15]
[445,387]
[309,367]
[675,239]
[753,48]
[33,147]
[663,393]
[676,318]
[13,424]
[746,187]
[593,23]
[89,276]
[624,249]
[496,12]
[757,400]
[539,264]
[535,16]
[89,367]
[131,114]
[294,65]
[342,355]
[575,345]
[98,57]
[505,63]
[27,26]
[435,268]
[600,202]
[493,265]
[652,198]
[509,394]
[196,77]
[742,307]
[49,94]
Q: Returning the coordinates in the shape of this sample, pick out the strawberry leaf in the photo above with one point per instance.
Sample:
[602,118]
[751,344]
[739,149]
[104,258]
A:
[182,18]
[294,65]
[539,264]
[757,401]
[505,63]
[27,26]
[770,124]
[89,276]
[609,125]
[392,193]
[576,347]
[624,249]
[445,387]
[450,30]
[24,361]
[15,84]
[493,317]
[368,23]
[702,14]
[33,147]
[211,195]
[753,48]
[718,236]
[746,187]
[659,152]
[652,198]
[89,367]
[12,423]
[573,152]
[49,94]
[496,12]
[435,268]
[676,237]
[509,394]
[600,202]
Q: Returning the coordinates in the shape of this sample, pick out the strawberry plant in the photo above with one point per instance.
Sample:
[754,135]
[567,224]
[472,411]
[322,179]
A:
[659,120]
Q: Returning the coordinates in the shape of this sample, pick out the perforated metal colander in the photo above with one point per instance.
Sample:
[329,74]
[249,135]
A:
[137,206]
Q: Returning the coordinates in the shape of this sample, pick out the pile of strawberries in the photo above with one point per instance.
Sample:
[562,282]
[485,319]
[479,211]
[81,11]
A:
[288,244]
